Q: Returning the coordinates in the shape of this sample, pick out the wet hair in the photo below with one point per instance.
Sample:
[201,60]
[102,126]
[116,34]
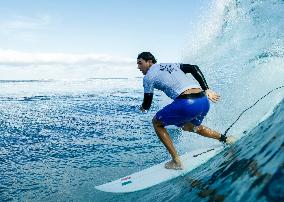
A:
[147,56]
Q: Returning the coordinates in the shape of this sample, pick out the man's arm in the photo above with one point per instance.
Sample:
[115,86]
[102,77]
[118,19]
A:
[196,73]
[147,101]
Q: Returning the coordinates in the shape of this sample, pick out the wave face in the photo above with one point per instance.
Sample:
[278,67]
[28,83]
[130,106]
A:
[251,170]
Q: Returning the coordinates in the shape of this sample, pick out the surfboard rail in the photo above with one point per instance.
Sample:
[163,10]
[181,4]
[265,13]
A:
[158,173]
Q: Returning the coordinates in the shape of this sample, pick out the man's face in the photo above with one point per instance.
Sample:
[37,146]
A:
[144,65]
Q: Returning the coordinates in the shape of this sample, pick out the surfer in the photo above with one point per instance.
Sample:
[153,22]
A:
[190,101]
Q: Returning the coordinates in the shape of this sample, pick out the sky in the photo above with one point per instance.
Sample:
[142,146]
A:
[108,29]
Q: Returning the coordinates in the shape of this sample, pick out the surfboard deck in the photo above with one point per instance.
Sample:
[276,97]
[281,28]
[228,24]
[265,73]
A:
[158,173]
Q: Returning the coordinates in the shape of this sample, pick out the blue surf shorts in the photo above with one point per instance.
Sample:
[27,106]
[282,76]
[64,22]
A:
[185,109]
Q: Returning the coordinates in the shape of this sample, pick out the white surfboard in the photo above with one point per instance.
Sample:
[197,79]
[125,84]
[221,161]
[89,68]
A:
[158,173]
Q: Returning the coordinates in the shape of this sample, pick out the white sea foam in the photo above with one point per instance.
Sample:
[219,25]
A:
[239,46]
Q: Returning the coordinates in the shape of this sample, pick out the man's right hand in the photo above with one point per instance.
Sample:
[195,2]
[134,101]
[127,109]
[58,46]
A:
[142,109]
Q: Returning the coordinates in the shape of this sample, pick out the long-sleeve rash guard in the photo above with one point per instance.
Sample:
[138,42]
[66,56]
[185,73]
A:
[171,79]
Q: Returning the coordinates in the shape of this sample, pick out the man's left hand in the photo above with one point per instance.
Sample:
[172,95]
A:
[212,95]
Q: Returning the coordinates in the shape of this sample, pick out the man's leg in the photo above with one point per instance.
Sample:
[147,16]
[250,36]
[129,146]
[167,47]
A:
[202,130]
[207,132]
[167,141]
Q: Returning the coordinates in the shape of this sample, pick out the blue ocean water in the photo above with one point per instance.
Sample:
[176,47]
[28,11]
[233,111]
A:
[61,138]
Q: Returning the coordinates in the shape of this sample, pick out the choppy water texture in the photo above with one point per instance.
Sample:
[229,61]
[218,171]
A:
[57,148]
[59,139]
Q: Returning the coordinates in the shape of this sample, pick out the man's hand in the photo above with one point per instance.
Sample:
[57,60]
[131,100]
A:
[142,109]
[213,96]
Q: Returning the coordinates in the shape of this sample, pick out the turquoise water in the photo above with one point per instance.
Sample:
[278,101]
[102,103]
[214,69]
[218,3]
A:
[58,147]
[61,138]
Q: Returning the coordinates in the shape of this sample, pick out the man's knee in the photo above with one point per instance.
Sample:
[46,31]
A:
[156,122]
[190,127]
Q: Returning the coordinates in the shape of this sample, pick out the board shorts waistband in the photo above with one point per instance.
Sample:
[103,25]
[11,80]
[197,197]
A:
[191,95]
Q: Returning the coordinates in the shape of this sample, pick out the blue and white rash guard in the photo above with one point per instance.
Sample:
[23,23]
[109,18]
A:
[171,79]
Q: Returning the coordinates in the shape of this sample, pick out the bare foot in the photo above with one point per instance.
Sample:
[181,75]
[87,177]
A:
[173,165]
